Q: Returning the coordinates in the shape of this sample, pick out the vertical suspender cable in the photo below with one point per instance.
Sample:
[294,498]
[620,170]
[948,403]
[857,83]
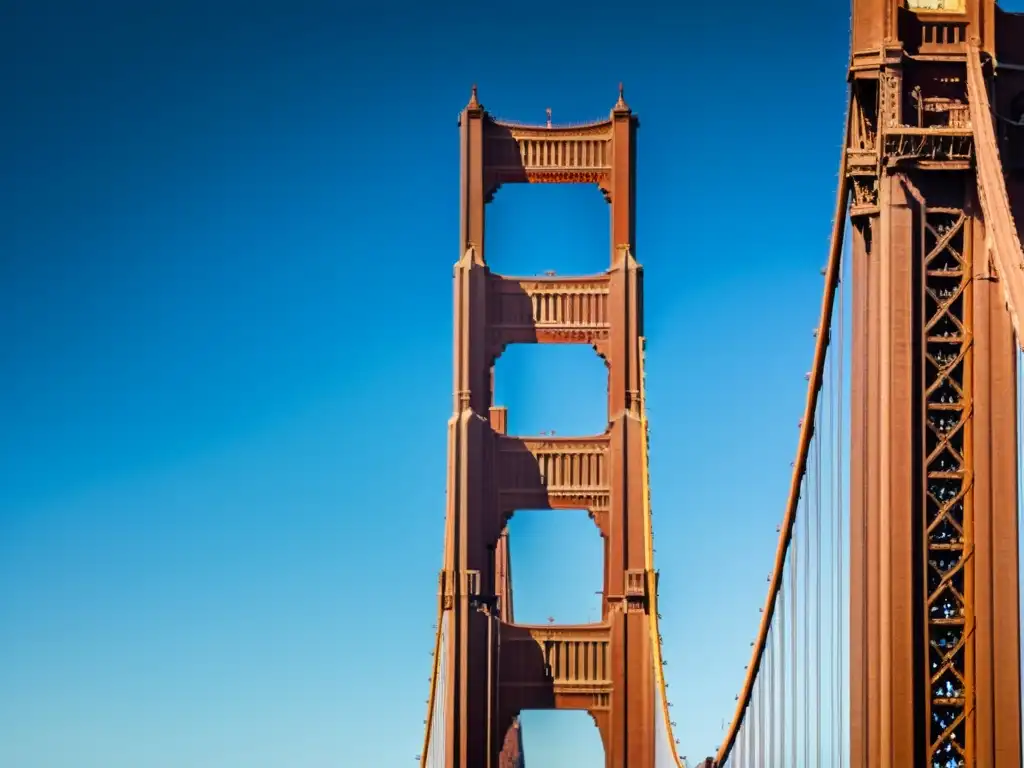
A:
[828,673]
[840,520]
[794,605]
[776,700]
[817,589]
[780,703]
[761,754]
[771,700]
[806,661]
[748,739]
[781,618]
[1020,485]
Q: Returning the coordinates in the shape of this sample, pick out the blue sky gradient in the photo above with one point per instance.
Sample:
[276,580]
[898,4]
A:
[226,240]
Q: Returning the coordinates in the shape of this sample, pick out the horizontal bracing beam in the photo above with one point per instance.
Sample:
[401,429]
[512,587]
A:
[553,472]
[556,667]
[580,154]
[548,310]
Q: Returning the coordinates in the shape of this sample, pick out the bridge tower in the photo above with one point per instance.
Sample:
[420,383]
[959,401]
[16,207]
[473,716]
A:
[493,667]
[935,640]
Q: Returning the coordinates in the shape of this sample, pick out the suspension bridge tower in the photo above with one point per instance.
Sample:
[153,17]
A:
[490,668]
[935,641]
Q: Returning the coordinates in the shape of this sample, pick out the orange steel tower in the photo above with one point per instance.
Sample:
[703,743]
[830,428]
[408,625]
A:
[495,668]
[935,644]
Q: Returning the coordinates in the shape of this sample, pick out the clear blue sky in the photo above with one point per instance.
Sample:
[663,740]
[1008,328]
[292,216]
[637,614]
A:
[226,238]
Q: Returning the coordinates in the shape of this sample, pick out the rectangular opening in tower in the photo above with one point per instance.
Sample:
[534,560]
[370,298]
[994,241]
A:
[557,566]
[560,738]
[552,390]
[535,229]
